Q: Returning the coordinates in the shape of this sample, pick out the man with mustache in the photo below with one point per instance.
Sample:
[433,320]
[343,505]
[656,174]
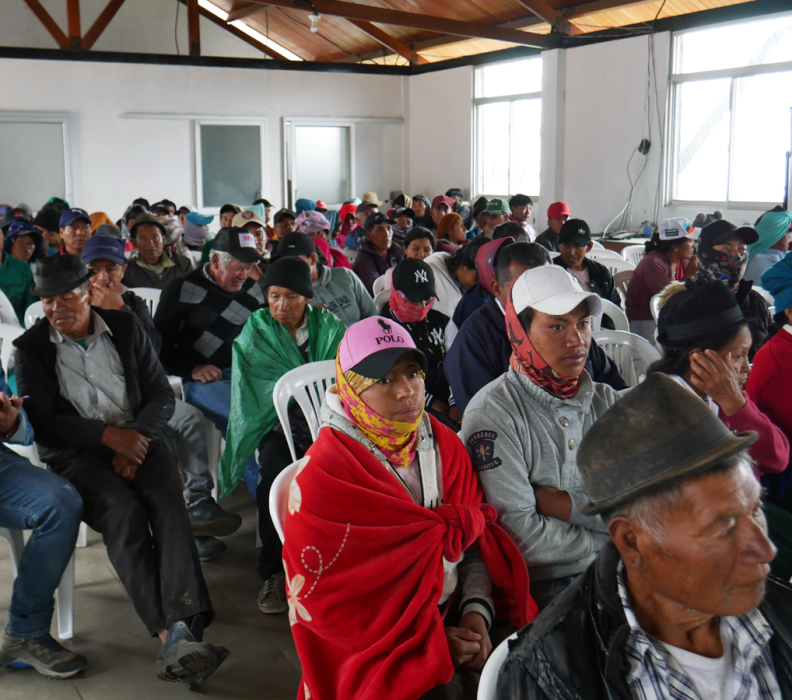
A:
[678,604]
[523,430]
[75,229]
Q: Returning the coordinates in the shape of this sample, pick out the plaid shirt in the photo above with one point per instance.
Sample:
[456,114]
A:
[655,674]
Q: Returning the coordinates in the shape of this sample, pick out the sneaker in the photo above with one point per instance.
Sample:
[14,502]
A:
[272,597]
[44,654]
[210,520]
[209,548]
[185,657]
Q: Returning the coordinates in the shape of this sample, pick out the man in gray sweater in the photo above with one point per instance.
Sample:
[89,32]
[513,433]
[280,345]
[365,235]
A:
[524,428]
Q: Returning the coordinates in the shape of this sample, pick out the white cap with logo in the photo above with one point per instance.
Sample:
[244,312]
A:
[551,290]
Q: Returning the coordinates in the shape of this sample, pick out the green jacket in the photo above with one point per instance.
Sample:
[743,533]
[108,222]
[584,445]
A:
[16,279]
[262,354]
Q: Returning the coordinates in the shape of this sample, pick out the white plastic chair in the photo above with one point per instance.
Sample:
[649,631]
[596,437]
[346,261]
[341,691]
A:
[279,496]
[597,245]
[7,313]
[600,253]
[622,347]
[382,298]
[196,256]
[64,600]
[215,444]
[621,281]
[379,284]
[33,313]
[151,295]
[654,306]
[633,253]
[615,314]
[488,683]
[615,263]
[307,385]
[8,334]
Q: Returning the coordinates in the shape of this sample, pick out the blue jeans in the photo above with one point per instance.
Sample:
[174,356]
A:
[214,399]
[32,498]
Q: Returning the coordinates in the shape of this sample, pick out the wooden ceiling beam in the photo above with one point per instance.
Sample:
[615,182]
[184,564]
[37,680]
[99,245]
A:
[73,24]
[397,18]
[101,23]
[194,27]
[242,10]
[589,8]
[49,24]
[387,40]
[543,11]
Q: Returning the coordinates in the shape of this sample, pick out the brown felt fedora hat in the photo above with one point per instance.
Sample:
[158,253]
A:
[658,434]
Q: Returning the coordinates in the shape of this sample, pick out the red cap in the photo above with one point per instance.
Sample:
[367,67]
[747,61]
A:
[558,209]
[320,204]
[442,199]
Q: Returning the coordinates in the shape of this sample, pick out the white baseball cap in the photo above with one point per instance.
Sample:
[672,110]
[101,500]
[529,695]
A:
[674,229]
[551,290]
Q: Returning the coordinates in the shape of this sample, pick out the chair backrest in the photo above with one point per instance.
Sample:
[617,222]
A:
[633,253]
[379,284]
[614,313]
[597,245]
[614,262]
[7,313]
[151,295]
[600,253]
[654,306]
[488,683]
[381,298]
[279,496]
[621,281]
[33,313]
[307,385]
[8,333]
[622,347]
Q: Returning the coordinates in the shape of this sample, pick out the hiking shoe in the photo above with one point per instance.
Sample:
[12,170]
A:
[44,654]
[185,657]
[210,520]
[209,548]
[272,597]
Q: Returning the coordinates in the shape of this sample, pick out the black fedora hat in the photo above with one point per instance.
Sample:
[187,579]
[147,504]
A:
[658,434]
[58,274]
[699,312]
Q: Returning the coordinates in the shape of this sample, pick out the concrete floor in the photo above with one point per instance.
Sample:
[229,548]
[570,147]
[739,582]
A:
[122,657]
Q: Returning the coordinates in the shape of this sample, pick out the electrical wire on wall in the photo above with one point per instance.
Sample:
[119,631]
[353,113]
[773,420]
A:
[176,27]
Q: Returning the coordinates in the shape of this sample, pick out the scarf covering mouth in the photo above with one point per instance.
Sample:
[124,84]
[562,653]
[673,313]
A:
[396,440]
[407,311]
[527,361]
[714,264]
[771,229]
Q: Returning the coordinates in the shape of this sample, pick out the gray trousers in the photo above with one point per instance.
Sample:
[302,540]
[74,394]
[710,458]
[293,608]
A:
[185,434]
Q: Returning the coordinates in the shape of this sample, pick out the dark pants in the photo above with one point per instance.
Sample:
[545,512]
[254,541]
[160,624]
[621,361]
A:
[148,535]
[274,457]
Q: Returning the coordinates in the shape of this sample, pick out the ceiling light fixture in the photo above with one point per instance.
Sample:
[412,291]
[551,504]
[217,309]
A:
[314,17]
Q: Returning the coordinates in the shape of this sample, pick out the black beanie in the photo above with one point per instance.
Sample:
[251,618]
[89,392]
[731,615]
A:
[48,218]
[290,273]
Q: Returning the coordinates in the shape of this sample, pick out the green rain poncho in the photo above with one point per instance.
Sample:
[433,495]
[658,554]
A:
[263,352]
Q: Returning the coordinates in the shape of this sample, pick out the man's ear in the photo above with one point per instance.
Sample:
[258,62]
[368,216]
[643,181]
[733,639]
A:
[314,259]
[624,535]
[496,288]
[589,247]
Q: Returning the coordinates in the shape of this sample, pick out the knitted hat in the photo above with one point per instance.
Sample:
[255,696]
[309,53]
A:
[311,222]
[289,273]
[446,223]
[173,229]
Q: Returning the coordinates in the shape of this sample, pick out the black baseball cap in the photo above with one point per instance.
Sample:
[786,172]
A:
[402,211]
[281,213]
[415,279]
[295,244]
[12,215]
[575,231]
[720,231]
[373,219]
[238,243]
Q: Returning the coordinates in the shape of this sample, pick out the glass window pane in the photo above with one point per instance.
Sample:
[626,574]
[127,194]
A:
[526,153]
[702,140]
[740,44]
[493,147]
[761,137]
[322,163]
[509,78]
[40,147]
[230,164]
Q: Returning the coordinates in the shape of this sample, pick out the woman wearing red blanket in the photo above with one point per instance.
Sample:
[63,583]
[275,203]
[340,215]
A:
[395,569]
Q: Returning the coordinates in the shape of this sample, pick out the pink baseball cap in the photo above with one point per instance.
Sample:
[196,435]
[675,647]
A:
[485,261]
[373,346]
[442,199]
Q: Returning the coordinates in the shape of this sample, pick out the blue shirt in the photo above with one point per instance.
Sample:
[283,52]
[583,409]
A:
[759,263]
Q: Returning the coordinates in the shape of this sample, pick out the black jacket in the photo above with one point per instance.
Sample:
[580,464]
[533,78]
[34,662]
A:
[137,276]
[575,649]
[549,240]
[369,264]
[61,433]
[601,282]
[753,304]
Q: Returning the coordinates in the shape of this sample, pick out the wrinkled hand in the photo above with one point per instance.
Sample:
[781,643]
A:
[474,622]
[206,374]
[553,503]
[127,443]
[692,267]
[716,378]
[9,411]
[464,645]
[106,298]
[124,467]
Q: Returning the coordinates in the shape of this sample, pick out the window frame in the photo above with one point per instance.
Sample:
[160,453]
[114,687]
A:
[477,102]
[65,120]
[675,80]
[261,122]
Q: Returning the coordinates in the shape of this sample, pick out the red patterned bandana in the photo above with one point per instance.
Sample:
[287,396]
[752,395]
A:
[405,310]
[528,362]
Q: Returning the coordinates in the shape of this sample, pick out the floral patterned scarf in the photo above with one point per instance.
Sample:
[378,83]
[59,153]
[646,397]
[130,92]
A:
[405,310]
[395,440]
[528,362]
[713,264]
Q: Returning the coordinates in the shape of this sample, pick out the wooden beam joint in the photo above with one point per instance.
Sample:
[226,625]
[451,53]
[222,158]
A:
[194,27]
[73,24]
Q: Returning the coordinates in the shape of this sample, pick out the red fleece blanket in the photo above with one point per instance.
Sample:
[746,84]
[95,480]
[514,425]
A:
[364,570]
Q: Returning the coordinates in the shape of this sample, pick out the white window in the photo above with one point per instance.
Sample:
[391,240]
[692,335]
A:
[731,99]
[229,163]
[508,118]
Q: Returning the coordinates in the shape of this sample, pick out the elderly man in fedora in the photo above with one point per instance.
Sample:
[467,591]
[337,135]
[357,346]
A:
[99,400]
[678,604]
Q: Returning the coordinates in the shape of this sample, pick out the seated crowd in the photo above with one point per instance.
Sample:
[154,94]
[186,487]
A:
[483,470]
